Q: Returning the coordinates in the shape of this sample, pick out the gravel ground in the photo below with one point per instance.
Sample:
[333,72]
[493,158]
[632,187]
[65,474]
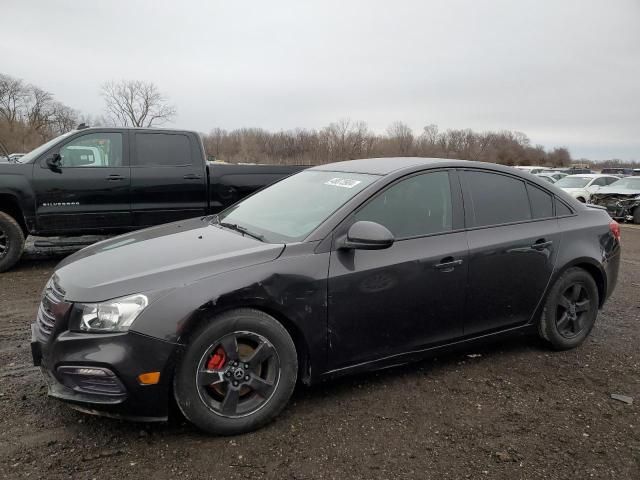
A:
[512,410]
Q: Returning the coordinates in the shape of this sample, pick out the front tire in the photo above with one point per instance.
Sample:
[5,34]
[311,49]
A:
[237,373]
[11,242]
[570,310]
[636,216]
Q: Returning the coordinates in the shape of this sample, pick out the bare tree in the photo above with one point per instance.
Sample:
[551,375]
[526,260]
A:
[401,136]
[136,103]
[63,118]
[12,96]
[38,109]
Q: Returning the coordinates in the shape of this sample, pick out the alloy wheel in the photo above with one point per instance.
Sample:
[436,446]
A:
[4,243]
[572,311]
[238,374]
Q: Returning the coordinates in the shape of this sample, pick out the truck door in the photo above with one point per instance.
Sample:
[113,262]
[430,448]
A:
[168,178]
[89,190]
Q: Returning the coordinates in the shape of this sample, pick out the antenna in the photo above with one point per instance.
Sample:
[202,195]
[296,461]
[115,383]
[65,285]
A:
[82,126]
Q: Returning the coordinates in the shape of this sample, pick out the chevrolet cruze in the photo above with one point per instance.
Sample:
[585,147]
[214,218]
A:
[341,268]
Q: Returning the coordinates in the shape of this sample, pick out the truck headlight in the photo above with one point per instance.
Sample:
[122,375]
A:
[113,316]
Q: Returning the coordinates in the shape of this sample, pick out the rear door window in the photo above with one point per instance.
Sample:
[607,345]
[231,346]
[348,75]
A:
[601,182]
[496,199]
[162,149]
[610,180]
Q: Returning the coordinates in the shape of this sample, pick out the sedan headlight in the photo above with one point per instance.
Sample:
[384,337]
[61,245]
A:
[113,316]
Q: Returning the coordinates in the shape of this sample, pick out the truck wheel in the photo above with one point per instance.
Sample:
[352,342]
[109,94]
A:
[636,216]
[11,242]
[236,373]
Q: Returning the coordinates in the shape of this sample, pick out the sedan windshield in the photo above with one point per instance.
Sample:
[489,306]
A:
[632,183]
[573,182]
[292,208]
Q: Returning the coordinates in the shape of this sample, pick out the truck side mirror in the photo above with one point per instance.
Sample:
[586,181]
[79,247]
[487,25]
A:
[54,161]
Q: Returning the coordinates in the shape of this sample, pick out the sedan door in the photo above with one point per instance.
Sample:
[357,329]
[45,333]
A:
[411,295]
[513,245]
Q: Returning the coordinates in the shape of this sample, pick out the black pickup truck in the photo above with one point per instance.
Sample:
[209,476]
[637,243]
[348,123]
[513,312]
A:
[111,180]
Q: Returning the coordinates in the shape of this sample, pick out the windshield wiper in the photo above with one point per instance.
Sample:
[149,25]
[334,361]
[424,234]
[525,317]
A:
[212,219]
[215,220]
[238,228]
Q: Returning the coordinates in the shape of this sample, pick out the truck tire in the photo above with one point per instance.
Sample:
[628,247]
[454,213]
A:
[11,242]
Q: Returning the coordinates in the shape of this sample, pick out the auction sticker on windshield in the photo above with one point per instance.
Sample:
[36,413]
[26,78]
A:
[342,182]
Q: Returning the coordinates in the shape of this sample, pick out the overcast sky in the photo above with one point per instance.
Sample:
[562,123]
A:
[566,73]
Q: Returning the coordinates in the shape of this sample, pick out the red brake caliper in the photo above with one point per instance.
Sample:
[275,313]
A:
[217,360]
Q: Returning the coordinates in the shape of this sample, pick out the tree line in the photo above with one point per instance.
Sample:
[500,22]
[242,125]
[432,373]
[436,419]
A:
[347,139]
[29,116]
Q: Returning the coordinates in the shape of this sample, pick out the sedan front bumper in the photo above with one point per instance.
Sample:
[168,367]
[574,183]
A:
[98,373]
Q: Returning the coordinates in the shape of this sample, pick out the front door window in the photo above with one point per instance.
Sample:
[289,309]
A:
[93,150]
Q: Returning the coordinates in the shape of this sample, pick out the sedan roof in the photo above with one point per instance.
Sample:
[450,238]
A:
[380,166]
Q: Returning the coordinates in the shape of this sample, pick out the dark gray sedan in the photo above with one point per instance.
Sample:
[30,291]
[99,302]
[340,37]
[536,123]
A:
[338,269]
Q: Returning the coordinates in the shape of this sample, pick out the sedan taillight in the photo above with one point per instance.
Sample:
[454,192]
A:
[615,229]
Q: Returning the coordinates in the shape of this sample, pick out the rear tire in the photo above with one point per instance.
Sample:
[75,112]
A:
[237,373]
[636,216]
[570,310]
[11,242]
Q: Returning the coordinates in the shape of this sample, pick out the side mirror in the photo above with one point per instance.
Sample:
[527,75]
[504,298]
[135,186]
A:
[364,235]
[54,161]
[594,188]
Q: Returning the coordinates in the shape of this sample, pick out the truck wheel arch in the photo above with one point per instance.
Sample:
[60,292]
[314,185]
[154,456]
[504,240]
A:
[9,204]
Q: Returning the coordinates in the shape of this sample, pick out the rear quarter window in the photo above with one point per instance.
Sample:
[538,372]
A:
[541,202]
[562,209]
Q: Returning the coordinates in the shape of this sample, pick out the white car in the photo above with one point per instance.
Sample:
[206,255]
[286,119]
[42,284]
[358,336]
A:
[530,169]
[583,185]
[551,177]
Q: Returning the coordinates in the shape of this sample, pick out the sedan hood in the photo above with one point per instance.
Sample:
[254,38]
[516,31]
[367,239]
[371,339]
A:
[573,190]
[158,258]
[621,190]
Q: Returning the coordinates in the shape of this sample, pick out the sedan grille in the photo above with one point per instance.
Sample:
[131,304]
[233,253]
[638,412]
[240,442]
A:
[52,308]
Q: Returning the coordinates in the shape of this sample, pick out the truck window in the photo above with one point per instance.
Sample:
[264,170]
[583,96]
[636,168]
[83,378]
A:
[158,149]
[93,150]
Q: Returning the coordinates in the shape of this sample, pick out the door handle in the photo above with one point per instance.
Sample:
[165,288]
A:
[447,264]
[541,244]
[192,176]
[113,178]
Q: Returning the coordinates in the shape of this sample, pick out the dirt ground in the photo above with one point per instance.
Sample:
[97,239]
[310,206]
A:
[514,410]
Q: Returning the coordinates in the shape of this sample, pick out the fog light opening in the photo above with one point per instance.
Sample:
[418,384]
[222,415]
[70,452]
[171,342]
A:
[91,380]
